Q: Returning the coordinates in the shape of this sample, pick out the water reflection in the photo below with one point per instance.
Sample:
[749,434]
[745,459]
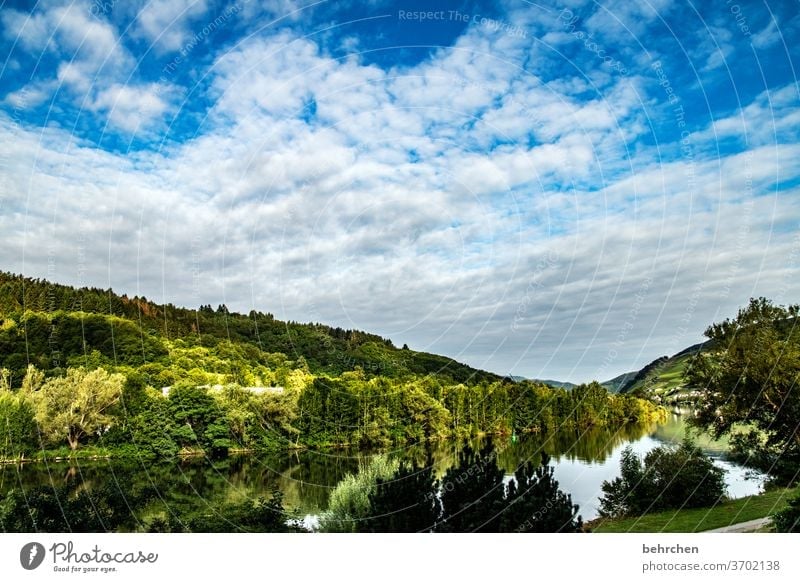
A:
[144,492]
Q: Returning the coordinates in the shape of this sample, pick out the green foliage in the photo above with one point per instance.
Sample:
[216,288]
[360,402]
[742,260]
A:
[334,387]
[76,405]
[199,420]
[752,378]
[534,502]
[669,477]
[153,429]
[787,520]
[252,516]
[405,502]
[18,431]
[473,493]
[351,410]
[59,325]
[349,502]
[65,509]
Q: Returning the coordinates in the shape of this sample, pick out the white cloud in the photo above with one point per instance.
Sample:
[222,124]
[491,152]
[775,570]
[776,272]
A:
[768,35]
[627,18]
[772,117]
[132,107]
[95,68]
[82,37]
[30,30]
[167,23]
[29,96]
[416,204]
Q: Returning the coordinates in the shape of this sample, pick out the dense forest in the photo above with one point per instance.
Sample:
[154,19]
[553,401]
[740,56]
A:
[86,370]
[64,326]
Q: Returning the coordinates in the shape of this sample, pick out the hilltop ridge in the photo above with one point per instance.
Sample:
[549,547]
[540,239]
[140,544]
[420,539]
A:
[53,325]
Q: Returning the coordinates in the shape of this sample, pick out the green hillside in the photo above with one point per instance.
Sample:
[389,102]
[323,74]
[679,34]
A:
[618,382]
[551,383]
[663,378]
[95,370]
[557,384]
[53,326]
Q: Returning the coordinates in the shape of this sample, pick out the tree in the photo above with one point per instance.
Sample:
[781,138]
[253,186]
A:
[534,502]
[152,429]
[669,477]
[17,424]
[406,502]
[618,499]
[349,501]
[76,405]
[751,375]
[473,492]
[199,420]
[787,520]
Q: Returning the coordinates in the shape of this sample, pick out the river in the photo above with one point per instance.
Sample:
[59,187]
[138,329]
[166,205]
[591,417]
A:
[582,462]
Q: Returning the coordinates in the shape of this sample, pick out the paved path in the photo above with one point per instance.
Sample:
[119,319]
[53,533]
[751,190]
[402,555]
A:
[744,527]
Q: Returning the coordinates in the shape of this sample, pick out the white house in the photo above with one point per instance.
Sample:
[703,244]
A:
[219,387]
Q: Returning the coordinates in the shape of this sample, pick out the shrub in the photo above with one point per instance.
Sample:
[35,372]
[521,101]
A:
[788,519]
[18,432]
[536,504]
[406,502]
[669,477]
[350,500]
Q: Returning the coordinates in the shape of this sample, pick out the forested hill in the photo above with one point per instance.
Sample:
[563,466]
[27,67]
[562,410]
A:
[55,326]
[664,378]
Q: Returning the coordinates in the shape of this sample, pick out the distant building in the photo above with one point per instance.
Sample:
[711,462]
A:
[219,387]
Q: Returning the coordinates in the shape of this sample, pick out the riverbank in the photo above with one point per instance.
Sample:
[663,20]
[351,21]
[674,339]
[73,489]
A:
[560,439]
[697,520]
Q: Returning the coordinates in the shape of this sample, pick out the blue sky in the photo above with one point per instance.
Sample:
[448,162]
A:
[563,190]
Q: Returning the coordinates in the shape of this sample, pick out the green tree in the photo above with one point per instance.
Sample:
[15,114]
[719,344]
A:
[199,420]
[751,375]
[349,503]
[534,502]
[669,477]
[18,432]
[473,492]
[152,429]
[406,502]
[787,520]
[76,405]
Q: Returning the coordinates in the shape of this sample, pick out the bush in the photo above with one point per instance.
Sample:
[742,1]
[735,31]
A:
[536,504]
[788,519]
[406,502]
[18,431]
[153,428]
[669,477]
[473,492]
[350,500]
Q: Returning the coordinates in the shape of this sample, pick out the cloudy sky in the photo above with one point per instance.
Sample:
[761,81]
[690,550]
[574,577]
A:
[558,190]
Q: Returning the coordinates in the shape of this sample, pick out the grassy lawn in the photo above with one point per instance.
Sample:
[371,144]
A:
[673,376]
[691,520]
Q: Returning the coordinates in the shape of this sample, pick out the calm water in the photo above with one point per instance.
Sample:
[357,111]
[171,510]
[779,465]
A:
[582,462]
